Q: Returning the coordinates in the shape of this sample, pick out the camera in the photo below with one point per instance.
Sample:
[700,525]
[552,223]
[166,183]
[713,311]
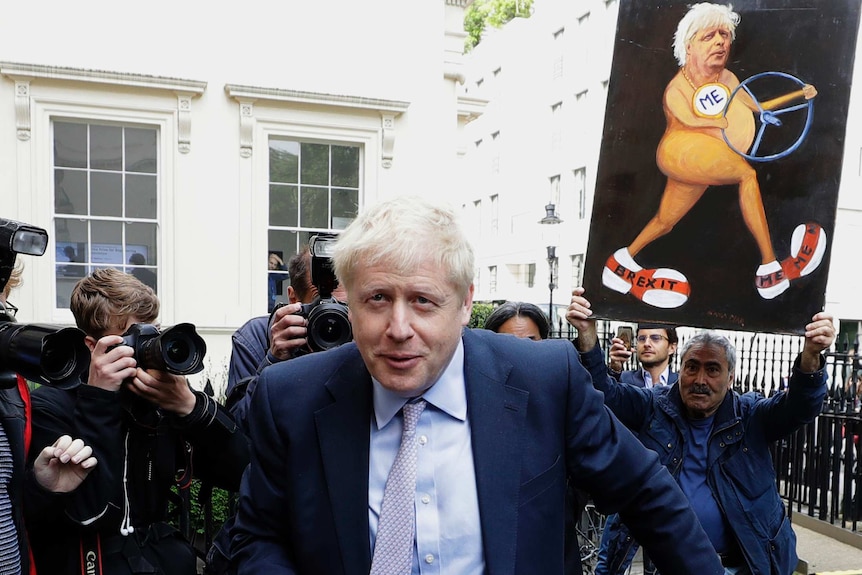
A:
[47,354]
[328,322]
[178,349]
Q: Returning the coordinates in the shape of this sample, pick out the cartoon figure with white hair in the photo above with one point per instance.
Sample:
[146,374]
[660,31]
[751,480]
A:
[710,139]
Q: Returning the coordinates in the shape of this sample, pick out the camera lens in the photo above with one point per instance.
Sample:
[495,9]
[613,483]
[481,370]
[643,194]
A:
[330,329]
[329,326]
[177,351]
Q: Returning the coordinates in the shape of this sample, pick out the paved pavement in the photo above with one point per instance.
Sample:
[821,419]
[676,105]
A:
[824,555]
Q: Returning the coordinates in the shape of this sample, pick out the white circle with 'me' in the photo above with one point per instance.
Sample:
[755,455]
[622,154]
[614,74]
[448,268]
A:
[710,100]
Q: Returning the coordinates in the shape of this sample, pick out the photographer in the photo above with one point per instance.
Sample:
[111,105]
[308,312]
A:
[148,428]
[265,340]
[60,467]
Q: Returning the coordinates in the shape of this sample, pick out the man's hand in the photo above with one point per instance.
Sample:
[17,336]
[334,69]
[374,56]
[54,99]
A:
[170,392]
[63,466]
[819,336]
[110,367]
[287,332]
[618,354]
[579,316]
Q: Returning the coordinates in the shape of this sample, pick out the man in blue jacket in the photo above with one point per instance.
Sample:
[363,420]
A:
[424,443]
[715,441]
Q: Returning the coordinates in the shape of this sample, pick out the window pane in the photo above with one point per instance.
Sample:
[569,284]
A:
[283,243]
[323,193]
[283,205]
[141,150]
[107,194]
[345,207]
[70,145]
[140,196]
[100,194]
[107,243]
[315,208]
[284,161]
[70,192]
[71,252]
[282,246]
[141,238]
[315,164]
[106,148]
[345,166]
[147,276]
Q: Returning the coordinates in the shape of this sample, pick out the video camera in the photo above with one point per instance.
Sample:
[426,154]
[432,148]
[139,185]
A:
[47,354]
[328,322]
[178,349]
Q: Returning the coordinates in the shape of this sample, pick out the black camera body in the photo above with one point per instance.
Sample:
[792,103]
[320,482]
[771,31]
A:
[328,322]
[47,354]
[178,349]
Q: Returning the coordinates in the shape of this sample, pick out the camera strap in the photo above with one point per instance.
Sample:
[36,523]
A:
[91,554]
[24,390]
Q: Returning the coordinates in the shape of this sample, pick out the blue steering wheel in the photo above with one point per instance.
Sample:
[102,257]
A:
[771,118]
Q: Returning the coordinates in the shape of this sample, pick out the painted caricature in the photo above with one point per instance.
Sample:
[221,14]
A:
[715,125]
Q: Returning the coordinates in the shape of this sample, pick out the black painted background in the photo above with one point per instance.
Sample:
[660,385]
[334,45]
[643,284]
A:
[812,40]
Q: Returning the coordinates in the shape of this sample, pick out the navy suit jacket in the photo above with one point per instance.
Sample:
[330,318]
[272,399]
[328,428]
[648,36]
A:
[535,419]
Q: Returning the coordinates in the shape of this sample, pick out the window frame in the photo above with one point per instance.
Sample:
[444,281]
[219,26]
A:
[46,112]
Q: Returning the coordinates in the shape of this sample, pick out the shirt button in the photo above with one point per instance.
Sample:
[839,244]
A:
[429,559]
[423,439]
[425,499]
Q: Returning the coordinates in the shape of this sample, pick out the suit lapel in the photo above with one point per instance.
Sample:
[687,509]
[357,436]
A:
[497,414]
[343,433]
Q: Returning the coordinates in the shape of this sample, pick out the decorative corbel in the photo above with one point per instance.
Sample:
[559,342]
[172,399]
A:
[246,128]
[388,139]
[184,123]
[22,109]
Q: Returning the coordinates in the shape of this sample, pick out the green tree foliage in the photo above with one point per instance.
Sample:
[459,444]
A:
[494,13]
[480,312]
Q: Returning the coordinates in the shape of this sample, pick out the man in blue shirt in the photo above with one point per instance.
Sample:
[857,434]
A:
[493,447]
[717,442]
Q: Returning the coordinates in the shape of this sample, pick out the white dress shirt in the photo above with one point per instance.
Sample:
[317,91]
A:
[448,533]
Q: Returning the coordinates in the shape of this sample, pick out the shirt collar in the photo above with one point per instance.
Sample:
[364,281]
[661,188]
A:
[448,393]
[662,379]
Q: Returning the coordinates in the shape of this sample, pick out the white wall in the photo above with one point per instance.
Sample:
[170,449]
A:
[214,213]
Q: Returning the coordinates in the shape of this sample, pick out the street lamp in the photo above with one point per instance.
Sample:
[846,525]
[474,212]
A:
[551,218]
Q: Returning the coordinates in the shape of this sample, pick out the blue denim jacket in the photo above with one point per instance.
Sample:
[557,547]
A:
[740,472]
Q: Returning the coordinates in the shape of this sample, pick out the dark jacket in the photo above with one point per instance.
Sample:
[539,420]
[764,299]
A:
[13,417]
[142,454]
[618,547]
[304,500]
[740,473]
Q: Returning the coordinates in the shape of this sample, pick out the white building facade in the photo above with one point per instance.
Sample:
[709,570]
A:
[188,147]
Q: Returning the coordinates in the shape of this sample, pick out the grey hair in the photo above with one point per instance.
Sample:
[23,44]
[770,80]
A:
[710,338]
[403,233]
[700,16]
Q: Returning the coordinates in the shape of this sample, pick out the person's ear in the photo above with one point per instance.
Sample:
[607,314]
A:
[90,342]
[291,295]
[467,309]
